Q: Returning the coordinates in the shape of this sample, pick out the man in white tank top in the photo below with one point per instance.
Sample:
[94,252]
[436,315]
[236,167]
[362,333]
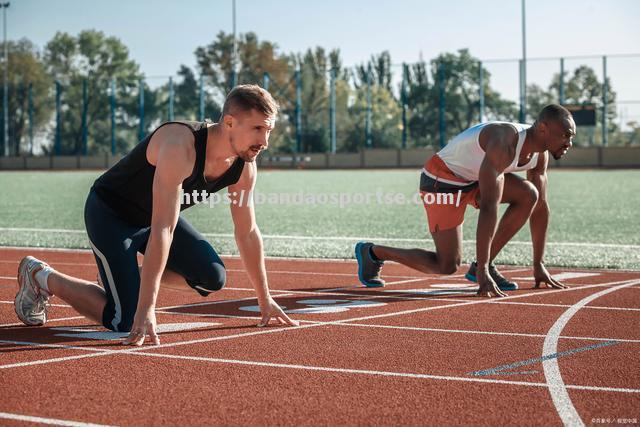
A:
[476,168]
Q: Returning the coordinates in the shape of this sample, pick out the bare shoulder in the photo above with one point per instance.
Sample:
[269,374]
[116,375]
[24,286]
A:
[499,140]
[498,134]
[172,140]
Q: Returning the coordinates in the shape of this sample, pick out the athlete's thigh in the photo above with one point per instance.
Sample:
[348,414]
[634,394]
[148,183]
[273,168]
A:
[517,189]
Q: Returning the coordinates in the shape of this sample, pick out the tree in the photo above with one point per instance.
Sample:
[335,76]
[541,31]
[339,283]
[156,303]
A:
[537,99]
[385,122]
[458,74]
[582,87]
[26,73]
[186,98]
[255,58]
[314,100]
[96,59]
[385,108]
[381,74]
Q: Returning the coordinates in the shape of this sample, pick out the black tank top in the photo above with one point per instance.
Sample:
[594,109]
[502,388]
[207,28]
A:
[127,187]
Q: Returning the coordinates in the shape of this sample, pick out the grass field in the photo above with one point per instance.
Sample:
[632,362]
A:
[594,220]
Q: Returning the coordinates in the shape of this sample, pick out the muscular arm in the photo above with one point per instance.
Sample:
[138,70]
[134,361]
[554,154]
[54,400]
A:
[246,232]
[538,223]
[249,241]
[170,153]
[499,149]
[498,142]
[539,219]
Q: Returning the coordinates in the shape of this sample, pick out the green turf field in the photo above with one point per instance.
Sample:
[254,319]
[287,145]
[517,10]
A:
[594,223]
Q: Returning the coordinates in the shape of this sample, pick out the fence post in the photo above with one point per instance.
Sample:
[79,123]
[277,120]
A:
[234,79]
[58,140]
[30,108]
[523,108]
[604,101]
[481,91]
[141,109]
[298,110]
[170,99]
[561,89]
[403,99]
[368,116]
[332,110]
[5,145]
[441,105]
[113,116]
[85,128]
[201,94]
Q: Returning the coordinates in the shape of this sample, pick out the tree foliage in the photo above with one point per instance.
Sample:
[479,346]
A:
[449,84]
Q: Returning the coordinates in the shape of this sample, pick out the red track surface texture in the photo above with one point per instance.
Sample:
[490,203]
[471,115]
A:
[423,350]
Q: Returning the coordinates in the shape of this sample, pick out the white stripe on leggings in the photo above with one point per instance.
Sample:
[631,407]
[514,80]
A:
[112,286]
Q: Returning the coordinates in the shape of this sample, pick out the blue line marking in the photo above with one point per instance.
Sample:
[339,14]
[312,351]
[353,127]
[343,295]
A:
[498,370]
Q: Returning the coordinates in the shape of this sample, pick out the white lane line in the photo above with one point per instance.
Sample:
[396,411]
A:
[475,302]
[138,351]
[57,346]
[563,276]
[557,387]
[377,373]
[534,304]
[286,329]
[240,270]
[344,238]
[203,304]
[60,319]
[426,293]
[50,305]
[589,307]
[419,279]
[410,328]
[465,331]
[49,421]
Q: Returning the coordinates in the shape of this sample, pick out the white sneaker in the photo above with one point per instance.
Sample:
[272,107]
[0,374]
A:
[31,300]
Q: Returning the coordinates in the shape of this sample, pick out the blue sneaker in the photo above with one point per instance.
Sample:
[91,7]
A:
[503,283]
[368,268]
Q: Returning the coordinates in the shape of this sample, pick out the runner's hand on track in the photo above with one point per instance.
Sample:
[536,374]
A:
[144,324]
[541,275]
[272,309]
[486,286]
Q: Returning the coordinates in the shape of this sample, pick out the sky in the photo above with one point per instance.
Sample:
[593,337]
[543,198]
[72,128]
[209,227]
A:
[163,34]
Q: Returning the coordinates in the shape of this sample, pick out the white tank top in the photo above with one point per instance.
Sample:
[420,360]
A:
[463,154]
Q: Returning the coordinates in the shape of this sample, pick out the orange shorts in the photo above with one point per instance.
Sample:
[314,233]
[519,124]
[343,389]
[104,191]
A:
[445,195]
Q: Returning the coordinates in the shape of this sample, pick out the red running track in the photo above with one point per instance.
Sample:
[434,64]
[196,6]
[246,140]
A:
[423,350]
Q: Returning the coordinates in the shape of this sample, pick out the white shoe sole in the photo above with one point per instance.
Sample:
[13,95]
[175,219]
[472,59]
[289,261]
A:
[23,287]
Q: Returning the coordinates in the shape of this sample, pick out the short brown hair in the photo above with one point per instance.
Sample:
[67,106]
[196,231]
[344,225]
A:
[250,97]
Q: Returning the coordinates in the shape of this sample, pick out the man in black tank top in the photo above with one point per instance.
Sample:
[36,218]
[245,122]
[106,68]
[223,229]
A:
[135,206]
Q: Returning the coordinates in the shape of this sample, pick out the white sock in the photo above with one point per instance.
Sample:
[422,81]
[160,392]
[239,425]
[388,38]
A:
[41,278]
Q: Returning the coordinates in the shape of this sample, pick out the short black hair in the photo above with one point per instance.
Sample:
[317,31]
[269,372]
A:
[554,113]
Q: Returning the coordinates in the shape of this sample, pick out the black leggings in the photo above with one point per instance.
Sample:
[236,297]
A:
[115,244]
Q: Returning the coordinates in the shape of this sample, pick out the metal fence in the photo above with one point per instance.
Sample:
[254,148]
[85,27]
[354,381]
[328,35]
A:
[338,111]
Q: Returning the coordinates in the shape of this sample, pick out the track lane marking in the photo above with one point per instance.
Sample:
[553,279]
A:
[285,329]
[49,421]
[557,388]
[338,238]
